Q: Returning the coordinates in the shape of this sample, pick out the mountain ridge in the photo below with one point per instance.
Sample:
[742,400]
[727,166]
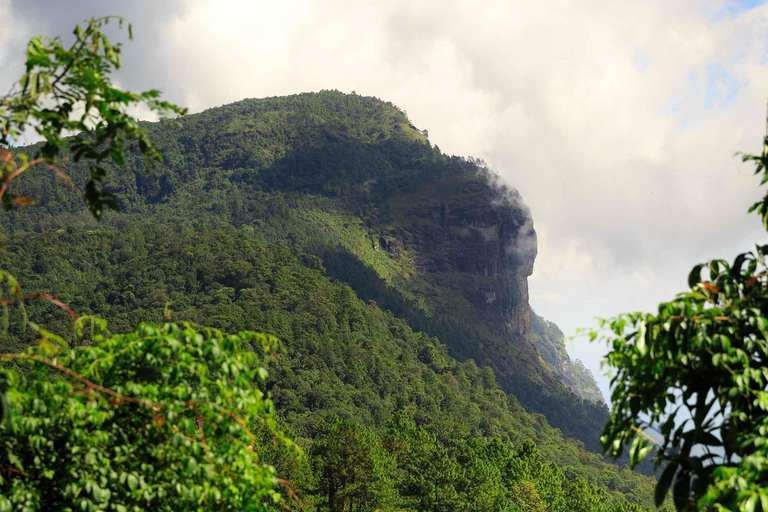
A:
[350,179]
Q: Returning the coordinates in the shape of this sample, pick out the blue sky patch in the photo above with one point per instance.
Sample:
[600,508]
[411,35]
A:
[736,7]
[722,87]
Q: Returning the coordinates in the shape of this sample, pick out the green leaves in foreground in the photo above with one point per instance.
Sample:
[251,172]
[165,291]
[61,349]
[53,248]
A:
[65,91]
[157,419]
[697,374]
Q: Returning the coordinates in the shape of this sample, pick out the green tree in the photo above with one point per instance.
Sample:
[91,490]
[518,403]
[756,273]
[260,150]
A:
[426,473]
[157,419]
[582,496]
[525,495]
[355,472]
[697,373]
[67,90]
[548,478]
[625,506]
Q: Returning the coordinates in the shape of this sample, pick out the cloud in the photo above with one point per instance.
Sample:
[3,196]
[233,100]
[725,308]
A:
[544,296]
[616,121]
[13,33]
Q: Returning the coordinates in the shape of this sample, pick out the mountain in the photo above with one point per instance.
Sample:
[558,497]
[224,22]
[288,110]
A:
[438,240]
[339,356]
[395,275]
[550,342]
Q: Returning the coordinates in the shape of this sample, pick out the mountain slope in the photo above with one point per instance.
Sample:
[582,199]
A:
[338,355]
[435,239]
[550,341]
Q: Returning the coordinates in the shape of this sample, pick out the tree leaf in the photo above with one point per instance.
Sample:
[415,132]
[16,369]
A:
[665,480]
[737,263]
[694,277]
[682,491]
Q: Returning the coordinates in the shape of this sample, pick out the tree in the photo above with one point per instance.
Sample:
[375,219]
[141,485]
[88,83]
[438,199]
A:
[697,373]
[355,473]
[581,496]
[427,474]
[65,91]
[156,419]
[160,418]
[527,497]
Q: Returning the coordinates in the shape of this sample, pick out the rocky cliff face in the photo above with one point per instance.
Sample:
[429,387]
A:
[550,342]
[474,240]
[475,246]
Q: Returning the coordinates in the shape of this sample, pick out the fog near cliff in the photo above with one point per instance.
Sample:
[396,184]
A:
[616,121]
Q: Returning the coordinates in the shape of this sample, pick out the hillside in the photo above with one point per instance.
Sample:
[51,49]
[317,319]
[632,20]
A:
[338,356]
[395,275]
[435,239]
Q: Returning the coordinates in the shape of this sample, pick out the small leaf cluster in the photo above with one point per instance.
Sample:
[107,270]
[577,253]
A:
[761,168]
[160,418]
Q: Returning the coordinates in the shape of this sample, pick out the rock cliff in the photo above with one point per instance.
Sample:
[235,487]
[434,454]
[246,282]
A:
[474,245]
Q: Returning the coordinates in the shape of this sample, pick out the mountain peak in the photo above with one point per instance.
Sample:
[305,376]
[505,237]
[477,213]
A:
[312,116]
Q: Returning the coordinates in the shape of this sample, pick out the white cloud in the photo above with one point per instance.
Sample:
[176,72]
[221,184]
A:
[13,31]
[617,121]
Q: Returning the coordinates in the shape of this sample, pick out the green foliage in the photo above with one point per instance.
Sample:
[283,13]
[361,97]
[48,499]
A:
[338,355]
[68,90]
[710,344]
[354,471]
[470,473]
[696,373]
[156,419]
[761,167]
[427,475]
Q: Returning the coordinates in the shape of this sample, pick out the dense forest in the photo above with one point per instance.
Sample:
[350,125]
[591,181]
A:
[342,364]
[410,367]
[435,239]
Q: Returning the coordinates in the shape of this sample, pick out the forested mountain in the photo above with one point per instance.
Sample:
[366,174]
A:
[394,275]
[435,239]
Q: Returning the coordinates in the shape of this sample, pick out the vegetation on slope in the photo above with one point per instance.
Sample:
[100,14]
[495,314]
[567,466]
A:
[345,372]
[430,237]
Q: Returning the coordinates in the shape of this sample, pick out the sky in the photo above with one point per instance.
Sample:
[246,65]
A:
[617,121]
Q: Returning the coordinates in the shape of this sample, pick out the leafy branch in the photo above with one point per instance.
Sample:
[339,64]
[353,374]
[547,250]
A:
[67,97]
[697,372]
